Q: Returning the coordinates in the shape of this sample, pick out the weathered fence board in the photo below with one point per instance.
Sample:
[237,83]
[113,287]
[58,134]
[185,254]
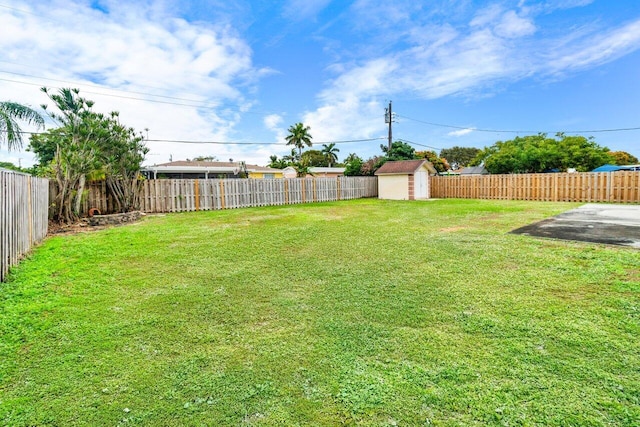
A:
[24,206]
[182,195]
[612,187]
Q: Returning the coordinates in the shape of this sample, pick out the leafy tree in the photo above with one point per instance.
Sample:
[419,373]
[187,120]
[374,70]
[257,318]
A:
[439,164]
[353,165]
[299,136]
[623,158]
[291,157]
[121,151]
[459,157]
[10,114]
[539,153]
[44,145]
[314,158]
[351,157]
[399,151]
[372,165]
[11,166]
[330,152]
[205,159]
[581,153]
[277,163]
[302,169]
[88,143]
[76,151]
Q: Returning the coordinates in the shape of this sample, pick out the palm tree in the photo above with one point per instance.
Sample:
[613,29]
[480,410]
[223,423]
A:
[292,157]
[352,157]
[299,137]
[329,152]
[10,114]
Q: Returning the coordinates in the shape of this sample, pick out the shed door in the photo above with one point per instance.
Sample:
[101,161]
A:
[421,185]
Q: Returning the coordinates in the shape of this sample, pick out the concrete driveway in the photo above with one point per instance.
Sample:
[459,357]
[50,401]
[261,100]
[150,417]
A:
[593,222]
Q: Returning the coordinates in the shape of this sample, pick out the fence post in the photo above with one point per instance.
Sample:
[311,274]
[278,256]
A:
[222,203]
[314,190]
[196,194]
[29,209]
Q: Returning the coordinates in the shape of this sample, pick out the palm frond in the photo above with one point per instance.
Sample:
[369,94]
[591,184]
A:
[10,114]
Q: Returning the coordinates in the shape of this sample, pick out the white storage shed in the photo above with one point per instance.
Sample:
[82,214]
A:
[405,180]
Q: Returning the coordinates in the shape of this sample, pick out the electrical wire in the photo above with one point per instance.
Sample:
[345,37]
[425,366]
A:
[194,104]
[518,131]
[98,87]
[181,141]
[118,96]
[420,145]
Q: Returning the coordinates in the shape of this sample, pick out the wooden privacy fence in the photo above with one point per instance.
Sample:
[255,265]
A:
[181,195]
[24,203]
[614,187]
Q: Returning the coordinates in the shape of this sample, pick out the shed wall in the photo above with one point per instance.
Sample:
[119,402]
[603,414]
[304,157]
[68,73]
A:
[393,187]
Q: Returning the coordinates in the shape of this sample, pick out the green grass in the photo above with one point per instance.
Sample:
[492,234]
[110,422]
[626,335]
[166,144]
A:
[360,313]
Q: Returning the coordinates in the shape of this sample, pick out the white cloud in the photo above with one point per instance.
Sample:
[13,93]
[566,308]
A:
[299,10]
[273,121]
[511,25]
[596,50]
[141,52]
[346,117]
[434,61]
[460,132]
[486,16]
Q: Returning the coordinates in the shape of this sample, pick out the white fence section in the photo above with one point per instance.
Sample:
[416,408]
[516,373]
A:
[24,205]
[180,195]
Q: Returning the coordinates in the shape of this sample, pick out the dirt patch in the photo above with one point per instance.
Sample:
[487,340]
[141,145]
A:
[81,226]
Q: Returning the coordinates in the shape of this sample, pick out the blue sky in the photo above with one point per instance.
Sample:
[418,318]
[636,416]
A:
[244,71]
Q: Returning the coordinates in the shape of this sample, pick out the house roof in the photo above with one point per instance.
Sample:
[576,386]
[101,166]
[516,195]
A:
[202,166]
[404,167]
[13,171]
[323,169]
[613,168]
[474,170]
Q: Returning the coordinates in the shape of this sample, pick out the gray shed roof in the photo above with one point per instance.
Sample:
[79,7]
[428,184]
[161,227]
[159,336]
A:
[474,170]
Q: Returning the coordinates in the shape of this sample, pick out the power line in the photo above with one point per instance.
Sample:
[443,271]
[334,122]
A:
[518,131]
[99,87]
[420,145]
[178,141]
[195,104]
[18,10]
[182,141]
[117,96]
[83,84]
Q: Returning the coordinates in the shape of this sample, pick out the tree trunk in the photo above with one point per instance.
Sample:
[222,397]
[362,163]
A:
[78,200]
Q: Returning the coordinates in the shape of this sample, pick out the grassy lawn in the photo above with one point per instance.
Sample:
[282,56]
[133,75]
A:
[360,313]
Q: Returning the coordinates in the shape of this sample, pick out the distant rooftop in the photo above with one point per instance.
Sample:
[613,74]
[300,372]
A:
[189,165]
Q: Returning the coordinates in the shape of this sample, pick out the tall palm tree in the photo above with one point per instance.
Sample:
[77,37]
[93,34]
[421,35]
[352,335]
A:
[330,153]
[10,114]
[299,137]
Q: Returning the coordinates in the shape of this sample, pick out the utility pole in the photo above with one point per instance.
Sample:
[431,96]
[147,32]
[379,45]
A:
[388,118]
